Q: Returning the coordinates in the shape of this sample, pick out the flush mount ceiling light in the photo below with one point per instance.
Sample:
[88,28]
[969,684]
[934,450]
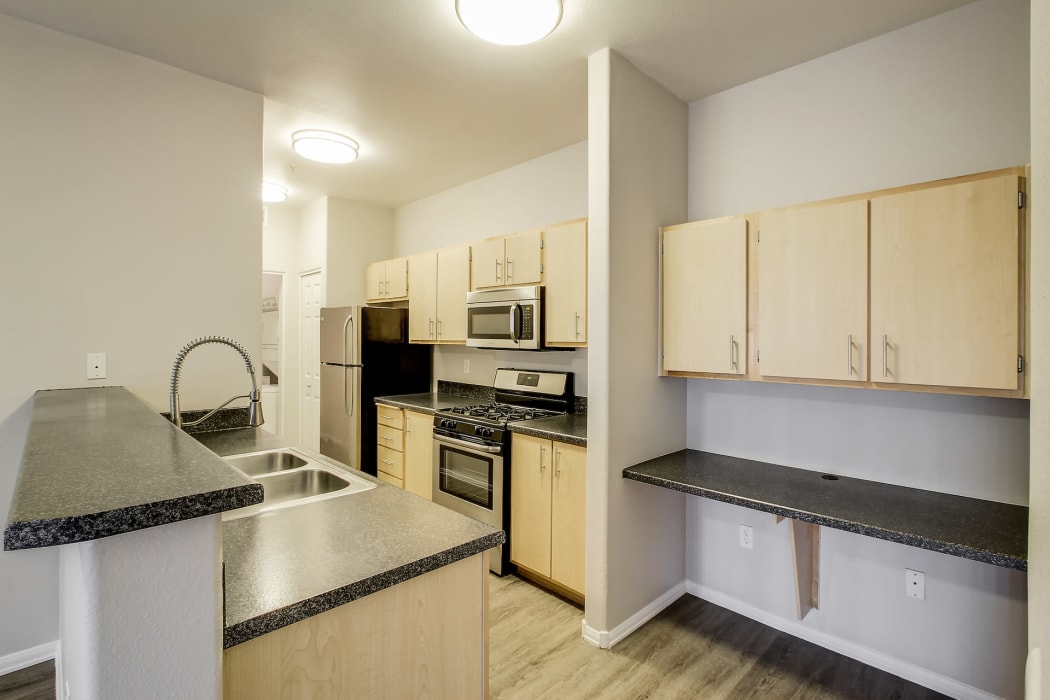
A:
[324,146]
[273,193]
[510,22]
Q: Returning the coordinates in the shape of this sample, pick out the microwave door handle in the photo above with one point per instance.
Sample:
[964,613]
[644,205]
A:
[515,321]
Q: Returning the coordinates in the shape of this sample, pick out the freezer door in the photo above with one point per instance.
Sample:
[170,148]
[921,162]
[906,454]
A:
[341,414]
[340,334]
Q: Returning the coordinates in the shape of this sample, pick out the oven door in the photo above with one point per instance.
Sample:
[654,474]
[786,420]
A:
[468,478]
[504,324]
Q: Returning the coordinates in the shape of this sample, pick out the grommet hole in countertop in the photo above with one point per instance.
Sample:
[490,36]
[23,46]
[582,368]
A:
[829,477]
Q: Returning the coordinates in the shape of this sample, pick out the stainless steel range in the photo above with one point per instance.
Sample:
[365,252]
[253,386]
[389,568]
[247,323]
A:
[472,447]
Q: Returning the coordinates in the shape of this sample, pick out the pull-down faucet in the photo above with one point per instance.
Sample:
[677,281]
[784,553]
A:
[255,416]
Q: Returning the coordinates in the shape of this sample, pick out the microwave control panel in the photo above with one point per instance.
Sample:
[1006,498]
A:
[527,323]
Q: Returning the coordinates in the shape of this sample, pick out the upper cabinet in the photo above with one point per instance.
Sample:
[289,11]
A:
[946,285]
[438,284]
[508,261]
[920,288]
[705,297]
[387,280]
[813,292]
[565,273]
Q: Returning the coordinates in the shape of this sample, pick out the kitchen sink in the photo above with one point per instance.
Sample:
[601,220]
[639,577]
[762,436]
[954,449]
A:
[260,463]
[290,478]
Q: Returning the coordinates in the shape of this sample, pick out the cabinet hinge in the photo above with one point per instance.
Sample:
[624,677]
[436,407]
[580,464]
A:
[1020,200]
[541,268]
[758,356]
[470,256]
[541,244]
[1020,364]
[758,235]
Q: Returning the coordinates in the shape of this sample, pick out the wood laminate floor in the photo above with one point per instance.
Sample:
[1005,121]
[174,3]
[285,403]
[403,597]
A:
[693,649]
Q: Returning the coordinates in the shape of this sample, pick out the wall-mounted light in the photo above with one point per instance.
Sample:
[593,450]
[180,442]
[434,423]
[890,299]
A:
[324,146]
[273,193]
[510,22]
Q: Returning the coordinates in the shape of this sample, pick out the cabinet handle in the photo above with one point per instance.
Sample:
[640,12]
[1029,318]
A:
[430,333]
[510,271]
[849,355]
[498,264]
[384,461]
[386,417]
[384,437]
[732,351]
[439,328]
[542,450]
[576,326]
[885,365]
[557,453]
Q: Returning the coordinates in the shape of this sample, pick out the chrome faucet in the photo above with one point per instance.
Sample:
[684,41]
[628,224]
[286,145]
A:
[255,416]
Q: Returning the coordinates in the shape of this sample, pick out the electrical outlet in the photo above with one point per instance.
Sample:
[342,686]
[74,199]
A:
[96,365]
[915,584]
[747,537]
[466,366]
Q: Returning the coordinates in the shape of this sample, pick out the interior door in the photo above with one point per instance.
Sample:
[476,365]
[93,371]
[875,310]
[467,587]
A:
[310,302]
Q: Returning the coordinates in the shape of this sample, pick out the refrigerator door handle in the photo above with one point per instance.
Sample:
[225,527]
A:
[348,406]
[348,322]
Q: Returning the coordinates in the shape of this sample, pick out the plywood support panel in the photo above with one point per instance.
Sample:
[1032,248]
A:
[805,549]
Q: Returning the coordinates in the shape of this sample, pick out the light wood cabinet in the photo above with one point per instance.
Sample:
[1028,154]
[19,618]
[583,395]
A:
[424,637]
[813,291]
[548,511]
[565,273]
[419,454]
[507,261]
[705,297]
[438,284]
[946,285]
[390,445]
[387,280]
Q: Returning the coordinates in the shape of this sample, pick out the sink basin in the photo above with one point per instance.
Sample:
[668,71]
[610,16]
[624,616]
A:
[266,462]
[290,478]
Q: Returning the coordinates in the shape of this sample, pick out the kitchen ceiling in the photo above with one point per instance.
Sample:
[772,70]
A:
[434,106]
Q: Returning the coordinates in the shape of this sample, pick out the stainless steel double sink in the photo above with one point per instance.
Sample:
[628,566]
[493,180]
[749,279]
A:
[290,478]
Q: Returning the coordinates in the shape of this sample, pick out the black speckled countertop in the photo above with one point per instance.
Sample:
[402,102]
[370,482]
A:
[570,428]
[286,565]
[986,531]
[100,462]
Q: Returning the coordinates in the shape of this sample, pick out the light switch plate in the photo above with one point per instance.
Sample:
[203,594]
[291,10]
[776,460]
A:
[96,365]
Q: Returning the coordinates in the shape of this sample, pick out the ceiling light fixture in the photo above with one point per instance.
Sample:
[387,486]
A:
[510,22]
[324,146]
[273,193]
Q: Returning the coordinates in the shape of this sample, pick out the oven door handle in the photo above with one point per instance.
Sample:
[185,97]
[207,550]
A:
[469,445]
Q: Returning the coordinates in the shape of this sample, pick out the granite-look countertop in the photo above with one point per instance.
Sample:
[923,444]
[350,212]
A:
[100,462]
[426,403]
[286,565]
[570,428]
[987,531]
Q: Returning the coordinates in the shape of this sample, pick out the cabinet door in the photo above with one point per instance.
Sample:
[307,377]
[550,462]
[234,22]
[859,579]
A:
[419,453]
[705,297]
[566,279]
[524,255]
[486,265]
[530,503]
[569,516]
[422,282]
[453,283]
[375,274]
[397,278]
[813,292]
[945,290]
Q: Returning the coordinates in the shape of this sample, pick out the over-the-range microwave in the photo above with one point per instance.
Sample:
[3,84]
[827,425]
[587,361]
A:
[509,318]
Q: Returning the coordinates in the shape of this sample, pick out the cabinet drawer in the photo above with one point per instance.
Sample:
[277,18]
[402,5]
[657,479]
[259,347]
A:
[391,462]
[393,417]
[389,437]
[392,480]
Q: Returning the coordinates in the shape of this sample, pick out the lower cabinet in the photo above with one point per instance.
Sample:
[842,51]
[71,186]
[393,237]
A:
[390,445]
[424,637]
[419,454]
[548,497]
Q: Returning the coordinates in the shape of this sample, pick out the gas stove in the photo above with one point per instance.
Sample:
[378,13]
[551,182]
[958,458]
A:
[501,413]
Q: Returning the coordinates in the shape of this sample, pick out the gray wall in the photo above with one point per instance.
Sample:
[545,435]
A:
[944,97]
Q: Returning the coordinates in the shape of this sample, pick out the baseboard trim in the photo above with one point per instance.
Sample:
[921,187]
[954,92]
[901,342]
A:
[903,669]
[605,639]
[27,657]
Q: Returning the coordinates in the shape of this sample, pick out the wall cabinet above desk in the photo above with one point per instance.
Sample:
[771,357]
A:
[919,288]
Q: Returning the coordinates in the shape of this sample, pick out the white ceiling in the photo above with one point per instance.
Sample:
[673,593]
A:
[433,106]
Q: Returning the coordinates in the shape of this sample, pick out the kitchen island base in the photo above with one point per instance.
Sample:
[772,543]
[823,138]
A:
[424,637]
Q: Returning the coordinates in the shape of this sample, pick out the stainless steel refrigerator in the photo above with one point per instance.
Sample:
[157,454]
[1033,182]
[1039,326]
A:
[364,354]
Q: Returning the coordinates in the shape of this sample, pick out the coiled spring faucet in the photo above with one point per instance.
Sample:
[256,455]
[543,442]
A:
[255,416]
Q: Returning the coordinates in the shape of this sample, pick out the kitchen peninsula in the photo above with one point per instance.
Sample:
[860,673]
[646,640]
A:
[360,575]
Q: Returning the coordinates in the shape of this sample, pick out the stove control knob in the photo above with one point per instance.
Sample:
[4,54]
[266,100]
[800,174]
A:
[486,432]
[448,423]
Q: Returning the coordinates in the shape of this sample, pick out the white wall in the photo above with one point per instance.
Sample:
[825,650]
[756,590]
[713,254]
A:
[131,220]
[545,190]
[1039,196]
[944,97]
[637,135]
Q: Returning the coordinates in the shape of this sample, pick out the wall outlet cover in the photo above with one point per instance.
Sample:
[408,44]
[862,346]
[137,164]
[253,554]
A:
[915,584]
[96,365]
[747,537]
